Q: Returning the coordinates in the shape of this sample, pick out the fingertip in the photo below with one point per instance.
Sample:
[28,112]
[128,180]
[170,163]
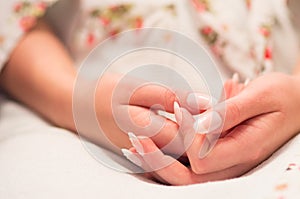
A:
[205,149]
[208,122]
[135,141]
[132,157]
[148,145]
[178,113]
[198,102]
[247,81]
[236,78]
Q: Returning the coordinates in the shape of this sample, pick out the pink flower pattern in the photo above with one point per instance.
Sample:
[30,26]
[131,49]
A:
[218,43]
[28,12]
[107,21]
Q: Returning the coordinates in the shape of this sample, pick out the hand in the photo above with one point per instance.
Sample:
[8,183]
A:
[258,120]
[164,168]
[153,160]
[126,105]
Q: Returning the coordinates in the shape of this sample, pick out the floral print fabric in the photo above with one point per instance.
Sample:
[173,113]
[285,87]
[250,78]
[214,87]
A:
[242,34]
[102,21]
[288,185]
[245,38]
[16,18]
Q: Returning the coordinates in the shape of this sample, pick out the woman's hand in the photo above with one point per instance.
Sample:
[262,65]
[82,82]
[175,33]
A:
[258,120]
[125,104]
[41,74]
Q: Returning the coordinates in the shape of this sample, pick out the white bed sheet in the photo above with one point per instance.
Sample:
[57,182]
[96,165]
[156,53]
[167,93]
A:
[41,161]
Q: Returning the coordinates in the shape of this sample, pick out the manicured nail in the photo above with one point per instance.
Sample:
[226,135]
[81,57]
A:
[132,157]
[207,122]
[136,143]
[199,101]
[236,78]
[204,149]
[247,81]
[178,113]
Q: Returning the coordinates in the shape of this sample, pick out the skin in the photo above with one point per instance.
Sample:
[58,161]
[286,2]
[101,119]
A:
[256,114]
[40,74]
[265,113]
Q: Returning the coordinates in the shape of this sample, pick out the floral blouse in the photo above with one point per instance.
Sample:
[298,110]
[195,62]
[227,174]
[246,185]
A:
[250,37]
[16,18]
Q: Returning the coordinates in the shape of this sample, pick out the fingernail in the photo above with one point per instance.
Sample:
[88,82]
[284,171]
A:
[199,101]
[207,122]
[247,81]
[132,157]
[178,113]
[136,143]
[204,149]
[236,78]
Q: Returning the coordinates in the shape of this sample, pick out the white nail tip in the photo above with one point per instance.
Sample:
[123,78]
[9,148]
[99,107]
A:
[176,106]
[247,81]
[177,111]
[131,136]
[236,77]
[204,149]
[142,137]
[126,152]
[207,122]
[136,143]
[197,101]
[132,157]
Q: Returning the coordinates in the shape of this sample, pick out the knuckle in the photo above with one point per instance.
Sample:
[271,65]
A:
[233,110]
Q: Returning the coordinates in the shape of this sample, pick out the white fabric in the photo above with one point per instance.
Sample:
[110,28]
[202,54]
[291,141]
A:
[41,161]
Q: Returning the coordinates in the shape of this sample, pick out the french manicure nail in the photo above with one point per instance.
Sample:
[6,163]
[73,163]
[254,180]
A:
[132,157]
[178,113]
[136,143]
[247,81]
[204,149]
[236,78]
[207,122]
[199,101]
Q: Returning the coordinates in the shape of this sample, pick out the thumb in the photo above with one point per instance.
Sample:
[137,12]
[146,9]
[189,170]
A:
[251,102]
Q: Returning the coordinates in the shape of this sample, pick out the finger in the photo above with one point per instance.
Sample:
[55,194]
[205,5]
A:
[183,117]
[163,131]
[207,122]
[229,173]
[133,156]
[170,171]
[249,103]
[196,145]
[195,148]
[251,141]
[193,133]
[166,167]
[232,88]
[163,98]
